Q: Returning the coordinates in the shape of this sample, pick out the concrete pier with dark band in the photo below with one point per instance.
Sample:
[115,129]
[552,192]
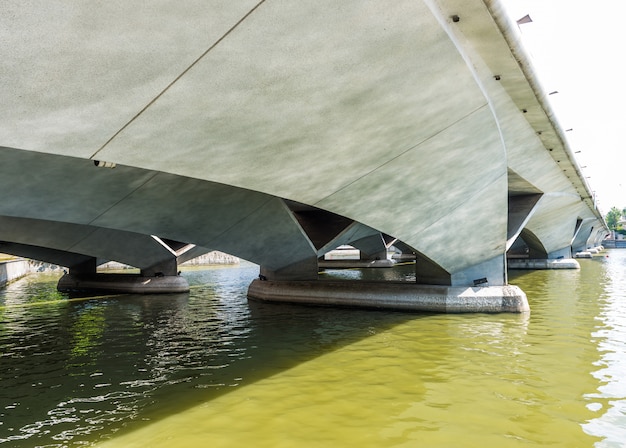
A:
[122,284]
[394,296]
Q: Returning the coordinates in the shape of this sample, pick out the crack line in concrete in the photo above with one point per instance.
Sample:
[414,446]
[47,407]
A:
[183,73]
[430,137]
[97,228]
[91,223]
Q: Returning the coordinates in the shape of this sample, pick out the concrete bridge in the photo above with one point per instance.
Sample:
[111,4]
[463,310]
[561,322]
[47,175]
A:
[276,131]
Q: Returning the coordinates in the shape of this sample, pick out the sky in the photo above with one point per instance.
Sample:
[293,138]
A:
[577,48]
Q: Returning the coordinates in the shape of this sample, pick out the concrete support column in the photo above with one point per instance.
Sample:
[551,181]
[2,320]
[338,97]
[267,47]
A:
[429,273]
[303,270]
[86,267]
[163,268]
[488,273]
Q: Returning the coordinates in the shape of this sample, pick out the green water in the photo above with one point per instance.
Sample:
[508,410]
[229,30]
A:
[211,369]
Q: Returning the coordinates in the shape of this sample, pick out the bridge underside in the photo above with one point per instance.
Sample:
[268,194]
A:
[277,132]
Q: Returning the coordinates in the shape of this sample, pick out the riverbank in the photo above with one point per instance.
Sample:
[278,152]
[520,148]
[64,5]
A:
[212,258]
[11,270]
[614,244]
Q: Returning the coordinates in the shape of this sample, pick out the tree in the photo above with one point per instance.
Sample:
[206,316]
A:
[612,217]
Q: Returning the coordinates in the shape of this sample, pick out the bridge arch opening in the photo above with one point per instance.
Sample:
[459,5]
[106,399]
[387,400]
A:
[527,245]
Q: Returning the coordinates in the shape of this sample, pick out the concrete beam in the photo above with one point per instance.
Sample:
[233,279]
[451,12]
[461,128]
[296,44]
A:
[135,249]
[193,252]
[53,256]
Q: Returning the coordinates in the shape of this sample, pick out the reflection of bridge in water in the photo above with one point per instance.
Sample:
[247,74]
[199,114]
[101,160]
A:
[279,132]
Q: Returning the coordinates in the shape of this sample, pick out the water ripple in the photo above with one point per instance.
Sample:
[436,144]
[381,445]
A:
[211,366]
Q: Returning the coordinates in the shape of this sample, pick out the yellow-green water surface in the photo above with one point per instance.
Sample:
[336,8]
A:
[212,369]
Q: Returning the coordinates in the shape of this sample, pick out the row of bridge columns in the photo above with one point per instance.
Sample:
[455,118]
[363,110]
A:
[283,269]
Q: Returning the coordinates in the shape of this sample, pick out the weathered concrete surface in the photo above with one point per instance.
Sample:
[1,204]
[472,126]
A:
[394,296]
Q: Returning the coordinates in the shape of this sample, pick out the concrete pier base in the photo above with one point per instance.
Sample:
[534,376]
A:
[348,264]
[393,296]
[403,257]
[584,254]
[122,284]
[536,264]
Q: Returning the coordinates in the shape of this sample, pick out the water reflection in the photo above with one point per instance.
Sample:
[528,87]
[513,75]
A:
[113,363]
[610,336]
